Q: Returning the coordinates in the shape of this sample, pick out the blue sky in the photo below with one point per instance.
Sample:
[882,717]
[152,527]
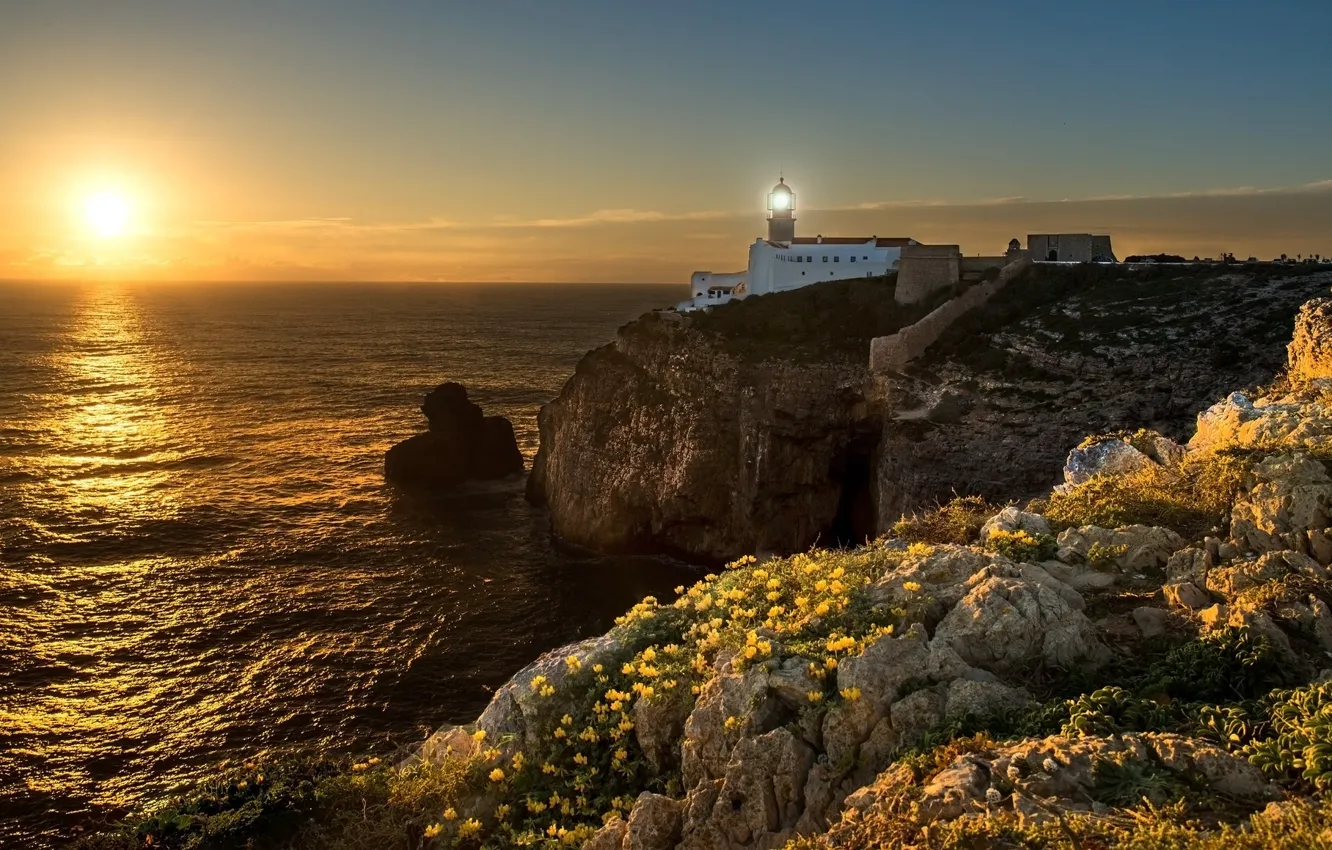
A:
[485,114]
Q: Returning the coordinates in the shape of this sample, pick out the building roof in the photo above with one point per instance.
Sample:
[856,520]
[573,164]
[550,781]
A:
[879,242]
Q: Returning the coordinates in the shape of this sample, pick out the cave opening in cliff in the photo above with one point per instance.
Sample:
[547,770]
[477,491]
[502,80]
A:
[856,517]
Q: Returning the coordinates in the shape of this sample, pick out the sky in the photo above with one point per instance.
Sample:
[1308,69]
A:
[632,141]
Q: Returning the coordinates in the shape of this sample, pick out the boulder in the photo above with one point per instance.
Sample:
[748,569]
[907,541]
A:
[969,697]
[609,837]
[759,799]
[463,444]
[1287,496]
[1105,457]
[1064,774]
[1153,622]
[1185,594]
[1130,548]
[654,823]
[1011,519]
[1005,623]
[1309,355]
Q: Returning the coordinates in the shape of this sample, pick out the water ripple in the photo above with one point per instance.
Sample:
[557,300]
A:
[200,560]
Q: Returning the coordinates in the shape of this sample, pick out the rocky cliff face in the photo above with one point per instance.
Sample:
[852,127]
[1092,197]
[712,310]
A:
[758,428]
[995,405]
[665,440]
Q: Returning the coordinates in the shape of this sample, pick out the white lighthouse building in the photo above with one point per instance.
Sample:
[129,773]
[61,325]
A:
[785,261]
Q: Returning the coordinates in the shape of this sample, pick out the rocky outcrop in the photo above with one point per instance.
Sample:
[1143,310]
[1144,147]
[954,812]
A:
[1067,352]
[759,428]
[666,440]
[463,444]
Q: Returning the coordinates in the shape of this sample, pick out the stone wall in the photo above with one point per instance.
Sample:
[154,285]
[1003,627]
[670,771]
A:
[890,353]
[924,270]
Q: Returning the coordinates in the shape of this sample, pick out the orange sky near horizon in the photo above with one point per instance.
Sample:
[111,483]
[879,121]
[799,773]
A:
[424,142]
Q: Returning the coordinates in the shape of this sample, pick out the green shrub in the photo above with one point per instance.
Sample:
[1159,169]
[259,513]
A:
[957,522]
[1192,500]
[1022,546]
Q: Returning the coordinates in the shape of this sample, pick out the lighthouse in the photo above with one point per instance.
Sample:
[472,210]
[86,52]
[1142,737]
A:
[781,213]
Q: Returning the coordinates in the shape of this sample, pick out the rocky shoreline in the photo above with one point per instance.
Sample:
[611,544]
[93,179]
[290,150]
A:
[800,688]
[1138,657]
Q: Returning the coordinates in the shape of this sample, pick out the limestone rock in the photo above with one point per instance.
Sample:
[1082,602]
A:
[654,823]
[1190,564]
[462,444]
[1310,351]
[1288,495]
[942,573]
[881,669]
[1011,519]
[1105,457]
[1062,774]
[1134,547]
[1214,616]
[658,725]
[917,713]
[1322,622]
[968,697]
[1152,621]
[609,837]
[761,796]
[1005,623]
[1185,594]
[516,707]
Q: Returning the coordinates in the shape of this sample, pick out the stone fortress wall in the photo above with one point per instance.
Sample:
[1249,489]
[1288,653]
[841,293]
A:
[890,353]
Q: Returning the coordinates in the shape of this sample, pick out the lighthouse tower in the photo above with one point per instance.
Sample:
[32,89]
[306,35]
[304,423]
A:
[781,213]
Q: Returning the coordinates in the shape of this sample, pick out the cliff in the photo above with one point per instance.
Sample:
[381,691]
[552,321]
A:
[1137,659]
[993,406]
[742,430]
[758,427]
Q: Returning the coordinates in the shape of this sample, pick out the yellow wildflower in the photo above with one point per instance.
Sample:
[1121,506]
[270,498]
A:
[801,601]
[573,663]
[479,735]
[597,668]
[851,694]
[469,827]
[548,768]
[910,586]
[559,732]
[579,758]
[649,654]
[497,775]
[450,813]
[433,830]
[822,609]
[815,696]
[820,585]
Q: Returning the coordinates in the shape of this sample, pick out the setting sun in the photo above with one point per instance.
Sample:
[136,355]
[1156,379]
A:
[107,214]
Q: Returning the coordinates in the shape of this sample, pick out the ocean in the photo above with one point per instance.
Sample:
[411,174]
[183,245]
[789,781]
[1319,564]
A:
[200,561]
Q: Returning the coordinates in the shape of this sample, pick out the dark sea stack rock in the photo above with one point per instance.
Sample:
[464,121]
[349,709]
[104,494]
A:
[463,444]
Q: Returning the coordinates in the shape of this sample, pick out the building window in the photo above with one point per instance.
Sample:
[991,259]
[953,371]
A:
[802,274]
[825,258]
[853,259]
[837,259]
[808,258]
[864,258]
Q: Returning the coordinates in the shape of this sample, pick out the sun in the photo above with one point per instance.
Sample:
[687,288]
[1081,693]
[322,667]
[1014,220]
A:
[107,214]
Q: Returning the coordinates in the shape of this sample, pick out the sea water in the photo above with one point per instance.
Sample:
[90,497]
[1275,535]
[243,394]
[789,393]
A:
[200,560]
